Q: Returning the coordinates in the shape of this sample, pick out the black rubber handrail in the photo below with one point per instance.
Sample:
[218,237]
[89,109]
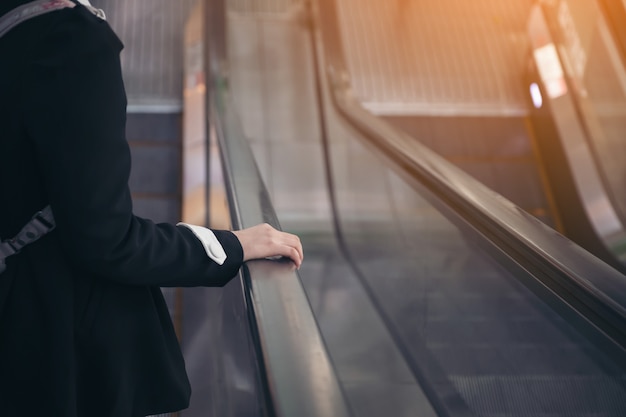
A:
[594,289]
[298,376]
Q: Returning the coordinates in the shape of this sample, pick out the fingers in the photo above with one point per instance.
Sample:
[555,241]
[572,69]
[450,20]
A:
[287,245]
[263,241]
[294,253]
[292,247]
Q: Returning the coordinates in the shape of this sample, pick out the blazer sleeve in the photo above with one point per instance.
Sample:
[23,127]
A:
[74,110]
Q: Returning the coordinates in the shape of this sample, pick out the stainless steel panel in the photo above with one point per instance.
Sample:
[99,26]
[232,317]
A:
[438,58]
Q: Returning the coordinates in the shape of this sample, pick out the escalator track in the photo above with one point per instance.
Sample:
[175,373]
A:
[432,295]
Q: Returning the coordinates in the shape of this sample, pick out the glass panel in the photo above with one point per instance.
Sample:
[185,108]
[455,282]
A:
[463,320]
[212,323]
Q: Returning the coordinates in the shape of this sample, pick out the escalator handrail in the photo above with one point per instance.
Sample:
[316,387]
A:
[298,378]
[593,288]
[615,14]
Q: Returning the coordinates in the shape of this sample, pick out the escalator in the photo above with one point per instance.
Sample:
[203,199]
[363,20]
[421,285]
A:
[459,91]
[577,81]
[427,293]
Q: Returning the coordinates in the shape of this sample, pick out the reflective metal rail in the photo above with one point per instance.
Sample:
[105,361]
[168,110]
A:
[299,379]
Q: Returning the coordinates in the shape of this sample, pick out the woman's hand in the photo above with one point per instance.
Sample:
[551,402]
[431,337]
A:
[263,241]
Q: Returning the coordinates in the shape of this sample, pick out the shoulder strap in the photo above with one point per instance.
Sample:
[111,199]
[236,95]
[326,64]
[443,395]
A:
[39,7]
[30,10]
[41,224]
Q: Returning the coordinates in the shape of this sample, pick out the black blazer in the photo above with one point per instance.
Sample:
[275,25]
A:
[84,330]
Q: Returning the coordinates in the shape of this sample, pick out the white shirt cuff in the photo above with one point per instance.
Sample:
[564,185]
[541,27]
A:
[212,246]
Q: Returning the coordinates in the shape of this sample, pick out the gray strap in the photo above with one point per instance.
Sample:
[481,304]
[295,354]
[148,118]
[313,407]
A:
[41,224]
[39,7]
[30,10]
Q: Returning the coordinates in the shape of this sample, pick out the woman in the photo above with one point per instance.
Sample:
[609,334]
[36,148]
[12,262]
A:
[84,330]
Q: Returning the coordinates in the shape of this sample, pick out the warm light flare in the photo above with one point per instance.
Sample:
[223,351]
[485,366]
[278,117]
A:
[535,95]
